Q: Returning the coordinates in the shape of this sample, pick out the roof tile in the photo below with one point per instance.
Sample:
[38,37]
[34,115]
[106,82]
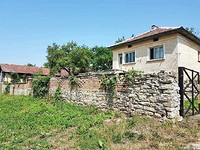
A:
[152,32]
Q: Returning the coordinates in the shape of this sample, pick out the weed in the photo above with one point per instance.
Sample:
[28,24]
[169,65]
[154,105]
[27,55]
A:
[133,136]
[31,123]
[117,138]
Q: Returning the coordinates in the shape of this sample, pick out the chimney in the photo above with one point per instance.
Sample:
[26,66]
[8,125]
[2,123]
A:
[153,27]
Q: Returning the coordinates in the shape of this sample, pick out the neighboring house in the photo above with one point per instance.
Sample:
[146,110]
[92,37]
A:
[23,71]
[161,48]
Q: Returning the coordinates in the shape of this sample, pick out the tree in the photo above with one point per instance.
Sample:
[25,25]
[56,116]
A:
[102,58]
[120,40]
[29,64]
[70,57]
[192,30]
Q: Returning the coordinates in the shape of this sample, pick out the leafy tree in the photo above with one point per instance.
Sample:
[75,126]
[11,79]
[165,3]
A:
[70,57]
[29,64]
[120,40]
[102,58]
[192,30]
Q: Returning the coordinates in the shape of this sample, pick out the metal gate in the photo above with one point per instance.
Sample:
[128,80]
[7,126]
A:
[189,91]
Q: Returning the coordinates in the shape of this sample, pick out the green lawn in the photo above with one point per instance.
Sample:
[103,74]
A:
[29,123]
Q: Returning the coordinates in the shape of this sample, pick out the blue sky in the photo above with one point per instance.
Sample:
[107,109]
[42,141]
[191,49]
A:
[27,27]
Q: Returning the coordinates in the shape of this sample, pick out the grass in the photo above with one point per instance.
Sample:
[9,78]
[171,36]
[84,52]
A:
[29,123]
[187,104]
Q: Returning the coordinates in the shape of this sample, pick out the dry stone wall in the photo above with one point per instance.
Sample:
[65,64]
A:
[21,88]
[154,94]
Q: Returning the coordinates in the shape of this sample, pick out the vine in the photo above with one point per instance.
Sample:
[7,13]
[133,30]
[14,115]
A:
[73,81]
[130,75]
[7,89]
[14,77]
[40,86]
[109,84]
[57,97]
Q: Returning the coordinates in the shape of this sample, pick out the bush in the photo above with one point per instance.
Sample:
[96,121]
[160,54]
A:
[57,95]
[7,89]
[40,86]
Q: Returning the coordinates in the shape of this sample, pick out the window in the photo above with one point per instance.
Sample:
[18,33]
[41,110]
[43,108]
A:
[157,52]
[120,58]
[130,57]
[156,39]
[129,46]
[199,56]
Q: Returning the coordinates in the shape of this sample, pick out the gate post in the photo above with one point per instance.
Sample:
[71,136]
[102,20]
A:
[180,82]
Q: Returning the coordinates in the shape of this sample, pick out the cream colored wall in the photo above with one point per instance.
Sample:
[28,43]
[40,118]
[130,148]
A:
[169,63]
[7,78]
[188,54]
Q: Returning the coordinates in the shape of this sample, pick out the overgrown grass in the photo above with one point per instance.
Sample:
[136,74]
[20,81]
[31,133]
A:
[187,103]
[29,123]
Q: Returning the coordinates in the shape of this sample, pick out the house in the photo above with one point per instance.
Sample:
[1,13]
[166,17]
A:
[23,72]
[161,48]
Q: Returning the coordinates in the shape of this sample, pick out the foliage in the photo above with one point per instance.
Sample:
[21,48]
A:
[102,58]
[116,138]
[133,136]
[40,86]
[120,40]
[187,104]
[36,124]
[57,95]
[192,30]
[70,57]
[73,81]
[14,77]
[7,88]
[29,64]
[130,76]
[109,83]
[27,122]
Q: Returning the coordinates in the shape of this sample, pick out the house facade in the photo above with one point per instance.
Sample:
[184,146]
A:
[161,48]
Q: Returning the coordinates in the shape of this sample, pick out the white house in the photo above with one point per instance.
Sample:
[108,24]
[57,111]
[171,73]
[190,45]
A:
[161,48]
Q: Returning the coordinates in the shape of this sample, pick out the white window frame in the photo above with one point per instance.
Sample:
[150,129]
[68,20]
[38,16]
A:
[158,57]
[130,60]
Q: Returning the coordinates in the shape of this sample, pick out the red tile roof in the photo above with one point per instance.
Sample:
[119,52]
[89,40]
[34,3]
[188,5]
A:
[24,69]
[30,70]
[158,31]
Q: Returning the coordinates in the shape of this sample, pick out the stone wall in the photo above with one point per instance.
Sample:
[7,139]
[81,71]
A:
[155,94]
[21,88]
[151,94]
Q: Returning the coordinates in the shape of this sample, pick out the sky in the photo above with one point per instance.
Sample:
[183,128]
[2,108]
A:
[27,27]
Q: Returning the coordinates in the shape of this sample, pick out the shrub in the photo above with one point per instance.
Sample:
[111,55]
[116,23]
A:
[7,89]
[57,95]
[73,81]
[40,86]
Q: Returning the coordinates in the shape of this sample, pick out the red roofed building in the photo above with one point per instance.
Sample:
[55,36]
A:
[161,48]
[22,71]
